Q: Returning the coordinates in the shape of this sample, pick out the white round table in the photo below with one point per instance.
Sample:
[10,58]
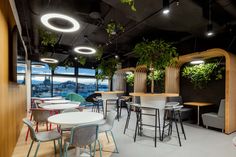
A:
[57,101]
[234,141]
[76,118]
[59,106]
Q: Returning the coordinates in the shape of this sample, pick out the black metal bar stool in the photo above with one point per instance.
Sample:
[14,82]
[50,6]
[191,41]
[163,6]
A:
[139,123]
[172,113]
[113,102]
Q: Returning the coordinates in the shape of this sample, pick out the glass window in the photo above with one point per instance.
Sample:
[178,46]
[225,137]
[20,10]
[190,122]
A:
[86,86]
[40,68]
[20,79]
[65,70]
[103,85]
[21,68]
[87,72]
[63,86]
[41,86]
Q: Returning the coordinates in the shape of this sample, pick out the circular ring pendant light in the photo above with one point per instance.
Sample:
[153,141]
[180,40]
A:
[49,60]
[84,50]
[47,17]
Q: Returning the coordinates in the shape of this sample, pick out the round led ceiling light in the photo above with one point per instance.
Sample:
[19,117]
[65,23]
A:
[49,60]
[45,19]
[84,50]
[38,65]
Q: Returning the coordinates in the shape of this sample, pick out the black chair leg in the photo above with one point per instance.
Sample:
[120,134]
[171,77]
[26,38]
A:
[127,121]
[176,125]
[163,128]
[117,110]
[155,140]
[181,124]
[159,126]
[136,127]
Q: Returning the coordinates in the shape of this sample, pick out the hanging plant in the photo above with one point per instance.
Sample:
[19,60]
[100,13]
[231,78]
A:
[201,74]
[130,79]
[82,60]
[113,28]
[130,3]
[52,67]
[47,38]
[156,54]
[99,52]
[107,68]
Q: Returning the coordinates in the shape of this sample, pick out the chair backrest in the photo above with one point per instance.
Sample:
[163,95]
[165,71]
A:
[221,111]
[30,125]
[110,119]
[40,115]
[83,135]
[75,97]
[70,110]
[175,99]
[37,103]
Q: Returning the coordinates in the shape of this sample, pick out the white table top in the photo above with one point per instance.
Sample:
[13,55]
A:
[76,118]
[234,141]
[60,106]
[48,98]
[57,101]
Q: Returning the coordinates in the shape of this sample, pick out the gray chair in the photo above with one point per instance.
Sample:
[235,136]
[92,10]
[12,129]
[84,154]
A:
[216,120]
[82,136]
[45,136]
[108,125]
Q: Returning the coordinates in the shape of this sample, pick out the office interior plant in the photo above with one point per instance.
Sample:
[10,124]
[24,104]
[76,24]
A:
[200,75]
[106,69]
[130,79]
[130,3]
[156,55]
[47,38]
[113,28]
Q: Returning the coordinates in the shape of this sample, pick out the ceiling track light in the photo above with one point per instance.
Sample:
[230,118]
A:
[166,7]
[209,32]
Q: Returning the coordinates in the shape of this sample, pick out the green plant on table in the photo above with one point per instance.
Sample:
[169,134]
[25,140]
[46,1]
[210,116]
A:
[156,55]
[201,74]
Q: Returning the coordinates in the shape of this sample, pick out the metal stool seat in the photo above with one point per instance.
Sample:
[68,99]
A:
[172,112]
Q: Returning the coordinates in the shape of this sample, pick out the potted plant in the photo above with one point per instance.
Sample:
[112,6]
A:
[156,54]
[200,75]
[107,69]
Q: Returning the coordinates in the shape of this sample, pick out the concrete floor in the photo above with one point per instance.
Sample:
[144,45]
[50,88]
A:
[200,142]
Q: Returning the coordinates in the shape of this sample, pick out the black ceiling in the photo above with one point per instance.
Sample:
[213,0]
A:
[185,26]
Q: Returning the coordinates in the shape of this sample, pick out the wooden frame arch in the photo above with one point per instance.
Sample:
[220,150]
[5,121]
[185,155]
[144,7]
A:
[173,74]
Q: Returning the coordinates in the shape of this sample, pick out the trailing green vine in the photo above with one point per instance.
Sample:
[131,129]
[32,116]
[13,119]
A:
[113,28]
[130,3]
[107,68]
[201,74]
[47,38]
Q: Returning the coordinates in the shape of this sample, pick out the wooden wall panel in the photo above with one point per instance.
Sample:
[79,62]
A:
[12,96]
[118,82]
[172,80]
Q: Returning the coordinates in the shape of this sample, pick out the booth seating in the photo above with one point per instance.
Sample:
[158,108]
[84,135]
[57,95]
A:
[216,120]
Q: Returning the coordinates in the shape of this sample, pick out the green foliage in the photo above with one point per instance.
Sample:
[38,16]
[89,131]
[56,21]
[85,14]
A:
[201,74]
[52,66]
[107,68]
[130,3]
[99,52]
[47,38]
[113,28]
[157,53]
[130,79]
[158,75]
[82,60]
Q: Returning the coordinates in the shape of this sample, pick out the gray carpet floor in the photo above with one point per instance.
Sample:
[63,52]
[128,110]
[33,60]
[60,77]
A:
[200,142]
